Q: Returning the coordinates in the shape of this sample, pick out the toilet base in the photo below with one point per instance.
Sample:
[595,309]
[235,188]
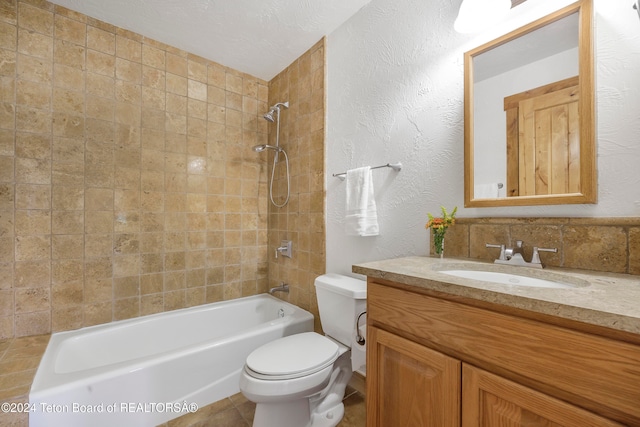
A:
[285,414]
[329,418]
[323,409]
[296,414]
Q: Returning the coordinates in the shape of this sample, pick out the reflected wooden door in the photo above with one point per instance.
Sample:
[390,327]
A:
[543,140]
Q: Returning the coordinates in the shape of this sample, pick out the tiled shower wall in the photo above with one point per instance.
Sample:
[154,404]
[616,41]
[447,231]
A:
[302,219]
[600,244]
[127,182]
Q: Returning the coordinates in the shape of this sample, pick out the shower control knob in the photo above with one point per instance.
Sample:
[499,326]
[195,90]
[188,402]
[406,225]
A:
[285,248]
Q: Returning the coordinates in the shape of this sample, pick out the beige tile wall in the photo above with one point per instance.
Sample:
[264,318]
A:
[601,244]
[127,182]
[302,219]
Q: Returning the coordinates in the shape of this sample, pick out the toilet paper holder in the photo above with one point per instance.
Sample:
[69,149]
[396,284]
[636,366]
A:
[359,338]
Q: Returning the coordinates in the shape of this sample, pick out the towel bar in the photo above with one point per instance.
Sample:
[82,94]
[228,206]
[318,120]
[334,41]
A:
[395,166]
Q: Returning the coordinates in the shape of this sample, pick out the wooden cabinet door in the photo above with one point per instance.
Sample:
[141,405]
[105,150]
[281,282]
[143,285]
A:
[490,401]
[409,384]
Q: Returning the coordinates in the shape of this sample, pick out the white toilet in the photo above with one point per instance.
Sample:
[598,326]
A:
[300,380]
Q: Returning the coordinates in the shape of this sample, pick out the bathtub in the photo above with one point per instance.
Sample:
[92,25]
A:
[148,370]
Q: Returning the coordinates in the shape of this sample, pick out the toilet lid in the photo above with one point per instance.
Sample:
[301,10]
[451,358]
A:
[294,355]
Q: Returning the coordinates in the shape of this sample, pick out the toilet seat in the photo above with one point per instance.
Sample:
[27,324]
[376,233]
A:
[291,357]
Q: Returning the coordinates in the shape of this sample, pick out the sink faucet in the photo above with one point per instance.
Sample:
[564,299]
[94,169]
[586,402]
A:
[509,253]
[515,256]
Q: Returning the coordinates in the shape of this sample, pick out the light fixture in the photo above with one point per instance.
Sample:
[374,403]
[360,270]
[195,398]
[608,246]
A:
[475,15]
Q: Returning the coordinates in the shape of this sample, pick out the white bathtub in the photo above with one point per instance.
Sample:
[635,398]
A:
[148,370]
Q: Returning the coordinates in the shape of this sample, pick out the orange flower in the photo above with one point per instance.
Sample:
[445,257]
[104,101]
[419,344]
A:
[441,223]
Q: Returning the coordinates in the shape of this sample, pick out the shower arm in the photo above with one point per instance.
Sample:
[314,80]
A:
[277,132]
[277,108]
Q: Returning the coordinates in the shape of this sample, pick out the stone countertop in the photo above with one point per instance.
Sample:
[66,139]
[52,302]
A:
[602,299]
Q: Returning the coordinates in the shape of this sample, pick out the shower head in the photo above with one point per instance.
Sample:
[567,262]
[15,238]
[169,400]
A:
[275,109]
[262,147]
[269,116]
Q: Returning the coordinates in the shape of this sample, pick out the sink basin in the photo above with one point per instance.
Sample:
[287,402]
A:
[507,279]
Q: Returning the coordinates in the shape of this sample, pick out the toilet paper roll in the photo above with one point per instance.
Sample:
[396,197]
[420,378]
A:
[359,352]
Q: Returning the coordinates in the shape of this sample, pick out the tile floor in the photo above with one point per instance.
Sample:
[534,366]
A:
[19,359]
[237,411]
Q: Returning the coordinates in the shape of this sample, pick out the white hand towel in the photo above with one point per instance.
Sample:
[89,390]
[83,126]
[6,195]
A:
[485,191]
[361,216]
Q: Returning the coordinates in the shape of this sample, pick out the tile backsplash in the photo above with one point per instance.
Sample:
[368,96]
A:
[601,244]
[127,181]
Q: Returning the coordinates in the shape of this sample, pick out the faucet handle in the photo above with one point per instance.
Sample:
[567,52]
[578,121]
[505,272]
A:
[284,248]
[501,247]
[535,257]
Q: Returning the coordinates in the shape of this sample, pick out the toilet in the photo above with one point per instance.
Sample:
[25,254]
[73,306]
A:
[300,380]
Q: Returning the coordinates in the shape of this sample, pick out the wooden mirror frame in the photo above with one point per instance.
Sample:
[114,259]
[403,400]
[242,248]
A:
[588,178]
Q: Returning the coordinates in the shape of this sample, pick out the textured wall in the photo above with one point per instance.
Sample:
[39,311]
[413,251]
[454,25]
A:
[395,93]
[127,182]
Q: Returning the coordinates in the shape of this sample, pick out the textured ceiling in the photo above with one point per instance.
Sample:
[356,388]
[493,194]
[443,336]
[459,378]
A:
[258,37]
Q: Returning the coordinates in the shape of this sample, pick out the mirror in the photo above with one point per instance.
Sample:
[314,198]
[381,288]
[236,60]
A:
[529,114]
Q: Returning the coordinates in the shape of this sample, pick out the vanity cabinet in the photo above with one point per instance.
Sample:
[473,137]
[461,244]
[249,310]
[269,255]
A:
[436,360]
[413,385]
[490,400]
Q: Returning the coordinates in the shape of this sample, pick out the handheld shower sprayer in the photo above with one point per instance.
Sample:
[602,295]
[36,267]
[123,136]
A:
[273,115]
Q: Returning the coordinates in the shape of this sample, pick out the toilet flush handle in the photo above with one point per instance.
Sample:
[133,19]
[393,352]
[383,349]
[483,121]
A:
[359,338]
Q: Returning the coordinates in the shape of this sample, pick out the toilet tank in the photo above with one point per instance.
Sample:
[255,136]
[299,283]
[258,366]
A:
[340,300]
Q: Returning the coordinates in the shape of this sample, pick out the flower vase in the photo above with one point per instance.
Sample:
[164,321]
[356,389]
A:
[438,241]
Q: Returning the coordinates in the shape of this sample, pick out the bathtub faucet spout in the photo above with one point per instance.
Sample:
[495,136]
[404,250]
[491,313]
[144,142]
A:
[282,288]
